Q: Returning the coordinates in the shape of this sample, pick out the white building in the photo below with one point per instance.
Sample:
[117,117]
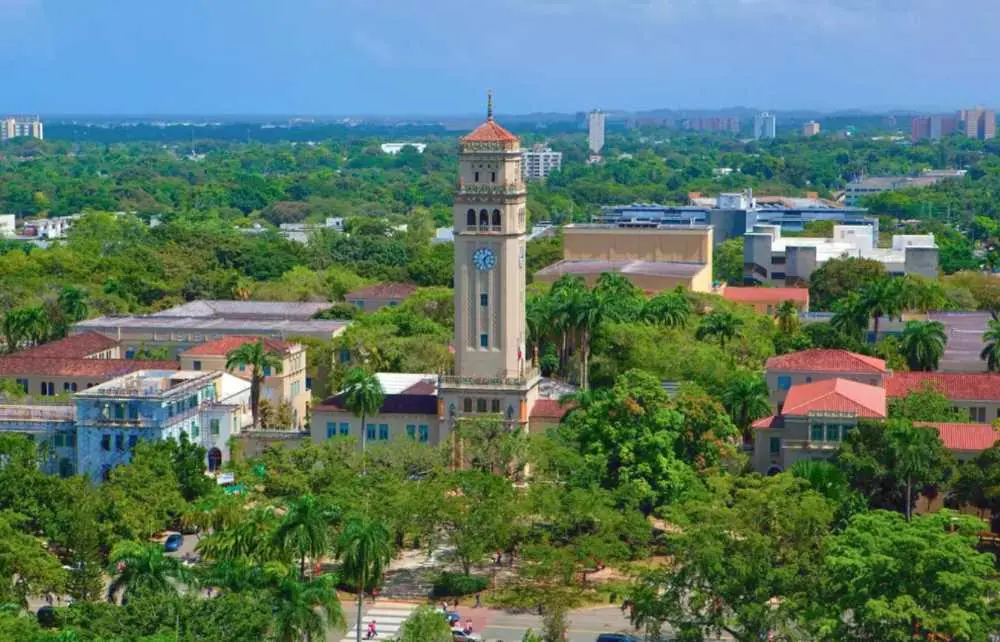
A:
[7,223]
[18,126]
[395,148]
[765,125]
[595,131]
[540,162]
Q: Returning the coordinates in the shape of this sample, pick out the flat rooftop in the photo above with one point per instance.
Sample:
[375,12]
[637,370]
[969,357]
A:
[625,266]
[259,310]
[223,325]
[150,383]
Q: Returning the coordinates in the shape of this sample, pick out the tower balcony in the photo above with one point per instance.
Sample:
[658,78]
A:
[499,382]
[490,190]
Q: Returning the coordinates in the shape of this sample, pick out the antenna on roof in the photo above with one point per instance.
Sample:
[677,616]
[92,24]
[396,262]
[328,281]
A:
[489,104]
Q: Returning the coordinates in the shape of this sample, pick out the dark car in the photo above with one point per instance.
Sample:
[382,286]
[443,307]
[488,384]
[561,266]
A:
[617,637]
[173,542]
[47,617]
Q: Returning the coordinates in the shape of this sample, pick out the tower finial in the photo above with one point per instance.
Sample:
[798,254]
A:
[489,104]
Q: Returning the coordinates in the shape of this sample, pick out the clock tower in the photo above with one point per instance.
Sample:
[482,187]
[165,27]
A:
[492,368]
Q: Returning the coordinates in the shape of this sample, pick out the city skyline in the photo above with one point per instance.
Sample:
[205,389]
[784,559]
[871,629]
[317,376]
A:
[350,57]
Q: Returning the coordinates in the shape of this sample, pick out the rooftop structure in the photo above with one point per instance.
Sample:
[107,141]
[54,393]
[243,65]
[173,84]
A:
[539,162]
[256,310]
[767,300]
[395,148]
[858,189]
[21,126]
[773,259]
[375,297]
[827,360]
[957,386]
[223,346]
[964,438]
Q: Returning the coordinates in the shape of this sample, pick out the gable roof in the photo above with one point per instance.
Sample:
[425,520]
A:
[221,347]
[957,386]
[100,369]
[549,409]
[966,437]
[489,132]
[835,395]
[827,360]
[75,346]
[383,291]
[765,295]
[405,393]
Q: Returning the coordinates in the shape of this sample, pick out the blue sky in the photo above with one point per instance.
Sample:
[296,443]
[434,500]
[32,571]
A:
[439,56]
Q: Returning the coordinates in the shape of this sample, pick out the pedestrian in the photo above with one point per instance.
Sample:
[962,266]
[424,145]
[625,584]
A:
[498,560]
[372,632]
[478,601]
[456,604]
[467,629]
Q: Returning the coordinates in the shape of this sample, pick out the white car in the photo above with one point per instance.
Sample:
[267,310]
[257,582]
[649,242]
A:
[457,635]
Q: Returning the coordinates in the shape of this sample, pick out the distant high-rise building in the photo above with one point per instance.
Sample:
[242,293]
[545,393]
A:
[765,125]
[540,162]
[18,126]
[810,129]
[979,123]
[933,127]
[595,131]
[713,124]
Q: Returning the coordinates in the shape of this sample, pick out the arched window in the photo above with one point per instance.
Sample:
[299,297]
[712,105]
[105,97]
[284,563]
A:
[470,217]
[476,177]
[496,218]
[214,459]
[484,217]
[493,177]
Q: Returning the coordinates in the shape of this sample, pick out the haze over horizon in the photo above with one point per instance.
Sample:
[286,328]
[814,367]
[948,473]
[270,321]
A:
[396,57]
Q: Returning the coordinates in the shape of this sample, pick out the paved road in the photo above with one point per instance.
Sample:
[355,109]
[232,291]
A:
[584,625]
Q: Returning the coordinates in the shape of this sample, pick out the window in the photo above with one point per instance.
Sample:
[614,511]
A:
[133,411]
[484,340]
[425,433]
[59,441]
[130,354]
[72,387]
[816,433]
[295,388]
[470,217]
[345,428]
[484,299]
[331,429]
[778,276]
[784,382]
[494,405]
[66,386]
[119,442]
[844,431]
[833,433]
[132,441]
[24,385]
[496,218]
[480,405]
[119,411]
[195,430]
[383,431]
[493,177]
[775,445]
[267,371]
[467,404]
[809,379]
[193,401]
[71,440]
[484,218]
[475,177]
[978,414]
[370,431]
[196,365]
[213,426]
[411,431]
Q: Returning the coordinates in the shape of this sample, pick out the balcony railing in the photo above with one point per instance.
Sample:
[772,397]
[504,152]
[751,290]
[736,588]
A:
[499,381]
[490,189]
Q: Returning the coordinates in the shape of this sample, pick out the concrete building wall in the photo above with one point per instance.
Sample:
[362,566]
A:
[921,260]
[374,304]
[757,256]
[614,243]
[253,443]
[699,282]
[800,263]
[324,420]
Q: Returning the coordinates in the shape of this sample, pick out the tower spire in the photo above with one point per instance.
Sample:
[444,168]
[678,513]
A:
[489,105]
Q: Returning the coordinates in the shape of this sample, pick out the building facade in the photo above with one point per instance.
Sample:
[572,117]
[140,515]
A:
[540,162]
[712,124]
[376,297]
[978,123]
[765,125]
[595,131]
[810,129]
[21,126]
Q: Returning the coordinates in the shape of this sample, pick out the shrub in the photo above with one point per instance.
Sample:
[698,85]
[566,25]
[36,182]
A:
[459,584]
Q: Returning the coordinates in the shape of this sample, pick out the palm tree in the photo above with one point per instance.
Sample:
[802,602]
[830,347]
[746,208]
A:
[850,316]
[823,477]
[538,315]
[671,310]
[363,395]
[305,529]
[883,298]
[621,299]
[252,537]
[144,568]
[746,399]
[910,448]
[425,625]
[787,316]
[587,312]
[722,326]
[73,303]
[364,551]
[304,610]
[923,344]
[991,352]
[564,294]
[38,325]
[260,359]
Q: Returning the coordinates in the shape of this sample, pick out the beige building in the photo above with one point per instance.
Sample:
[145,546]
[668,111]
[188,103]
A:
[376,297]
[287,386]
[653,258]
[21,126]
[810,129]
[807,366]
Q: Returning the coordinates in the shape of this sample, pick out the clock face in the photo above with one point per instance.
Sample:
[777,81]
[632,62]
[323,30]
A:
[484,259]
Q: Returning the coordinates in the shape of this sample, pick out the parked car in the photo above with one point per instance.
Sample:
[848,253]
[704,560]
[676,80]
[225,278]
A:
[617,637]
[47,617]
[458,635]
[173,542]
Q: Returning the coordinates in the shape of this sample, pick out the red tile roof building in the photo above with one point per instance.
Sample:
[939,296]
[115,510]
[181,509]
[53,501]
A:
[964,437]
[86,345]
[957,386]
[98,369]
[489,132]
[222,347]
[827,361]
[836,395]
[767,300]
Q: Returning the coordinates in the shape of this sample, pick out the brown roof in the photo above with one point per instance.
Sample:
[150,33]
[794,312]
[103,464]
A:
[221,347]
[383,291]
[623,266]
[549,409]
[102,369]
[957,386]
[489,132]
[766,295]
[77,346]
[835,395]
[825,360]
[964,436]
[418,399]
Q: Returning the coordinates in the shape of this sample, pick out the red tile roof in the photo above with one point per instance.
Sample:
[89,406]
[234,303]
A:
[549,409]
[489,132]
[77,346]
[825,360]
[221,347]
[100,369]
[383,291]
[835,395]
[766,295]
[957,386]
[964,437]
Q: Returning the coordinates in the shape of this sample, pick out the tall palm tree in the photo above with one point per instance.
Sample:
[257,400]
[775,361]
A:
[144,568]
[364,551]
[538,315]
[721,326]
[363,395]
[991,352]
[587,312]
[564,294]
[823,477]
[746,399]
[850,316]
[73,303]
[621,299]
[883,298]
[305,529]
[256,355]
[787,316]
[15,328]
[923,344]
[911,449]
[251,537]
[304,610]
[671,310]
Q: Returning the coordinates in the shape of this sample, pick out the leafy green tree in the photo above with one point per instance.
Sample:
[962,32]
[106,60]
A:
[305,529]
[727,261]
[836,278]
[926,403]
[721,326]
[250,537]
[477,515]
[746,399]
[363,396]
[923,343]
[144,568]
[492,445]
[978,482]
[364,551]
[425,625]
[259,358]
[671,310]
[850,317]
[991,350]
[894,580]
[143,497]
[29,568]
[787,316]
